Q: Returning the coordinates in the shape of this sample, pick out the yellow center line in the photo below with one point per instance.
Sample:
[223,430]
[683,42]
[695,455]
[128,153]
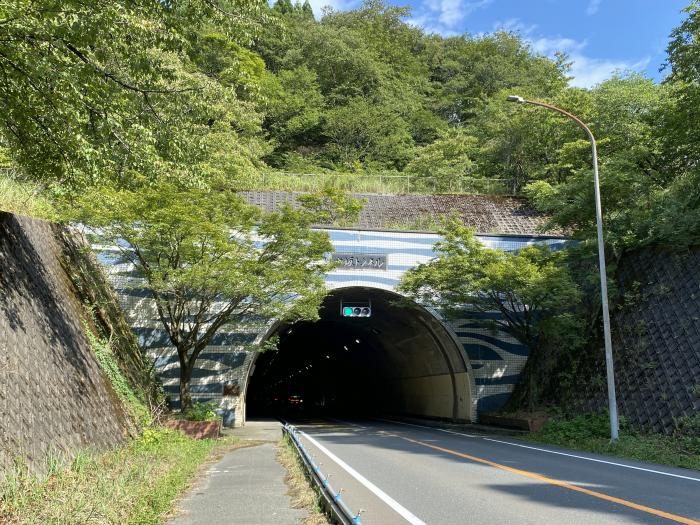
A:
[557,482]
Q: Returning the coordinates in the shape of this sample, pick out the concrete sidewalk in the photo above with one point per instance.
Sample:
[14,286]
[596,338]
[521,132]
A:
[246,487]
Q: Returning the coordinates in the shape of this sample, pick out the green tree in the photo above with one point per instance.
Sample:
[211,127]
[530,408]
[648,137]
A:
[307,10]
[622,113]
[675,217]
[522,144]
[284,6]
[467,71]
[293,107]
[368,133]
[441,165]
[102,91]
[682,122]
[218,56]
[197,253]
[531,289]
[423,84]
[333,207]
[396,51]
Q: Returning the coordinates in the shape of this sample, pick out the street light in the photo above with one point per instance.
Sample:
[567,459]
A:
[612,401]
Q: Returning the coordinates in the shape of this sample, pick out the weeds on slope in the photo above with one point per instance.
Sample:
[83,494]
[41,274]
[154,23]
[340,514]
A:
[591,432]
[136,483]
[303,494]
[23,198]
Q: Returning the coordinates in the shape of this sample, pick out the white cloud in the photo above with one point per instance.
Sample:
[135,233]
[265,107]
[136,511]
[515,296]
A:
[585,70]
[593,7]
[429,25]
[549,46]
[453,12]
[336,5]
[514,25]
[443,16]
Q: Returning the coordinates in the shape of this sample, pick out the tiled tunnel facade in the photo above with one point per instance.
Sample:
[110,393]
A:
[495,359]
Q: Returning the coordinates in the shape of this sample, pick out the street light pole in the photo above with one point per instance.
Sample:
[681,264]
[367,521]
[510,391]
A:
[612,400]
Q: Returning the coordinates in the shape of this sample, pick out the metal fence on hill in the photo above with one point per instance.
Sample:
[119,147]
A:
[381,183]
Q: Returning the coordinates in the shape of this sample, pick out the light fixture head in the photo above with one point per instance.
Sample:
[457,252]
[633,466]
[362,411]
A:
[515,98]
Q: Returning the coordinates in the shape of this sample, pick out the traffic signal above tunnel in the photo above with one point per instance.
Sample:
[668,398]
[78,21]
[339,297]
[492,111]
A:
[356,309]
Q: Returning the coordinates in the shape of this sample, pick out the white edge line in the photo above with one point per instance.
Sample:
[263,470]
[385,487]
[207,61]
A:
[429,428]
[408,515]
[593,459]
[347,423]
[549,451]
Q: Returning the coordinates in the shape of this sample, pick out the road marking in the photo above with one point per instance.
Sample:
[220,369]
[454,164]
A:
[347,423]
[559,483]
[623,465]
[429,428]
[596,460]
[405,513]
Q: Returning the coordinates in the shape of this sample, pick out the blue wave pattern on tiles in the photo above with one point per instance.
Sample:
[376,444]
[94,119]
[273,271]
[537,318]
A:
[495,357]
[157,337]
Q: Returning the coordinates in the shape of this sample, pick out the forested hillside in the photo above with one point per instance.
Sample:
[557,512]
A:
[364,91]
[222,92]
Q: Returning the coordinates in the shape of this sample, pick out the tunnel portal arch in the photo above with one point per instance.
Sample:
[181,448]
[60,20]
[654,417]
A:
[404,359]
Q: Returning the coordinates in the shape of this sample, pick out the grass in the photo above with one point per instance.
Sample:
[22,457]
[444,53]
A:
[23,198]
[591,433]
[392,183]
[136,483]
[303,494]
[26,198]
[132,402]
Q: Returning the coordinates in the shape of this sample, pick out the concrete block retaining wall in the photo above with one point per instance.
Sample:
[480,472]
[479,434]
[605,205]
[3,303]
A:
[54,398]
[656,338]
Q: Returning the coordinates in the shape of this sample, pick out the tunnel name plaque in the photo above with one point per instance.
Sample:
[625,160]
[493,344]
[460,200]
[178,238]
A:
[360,261]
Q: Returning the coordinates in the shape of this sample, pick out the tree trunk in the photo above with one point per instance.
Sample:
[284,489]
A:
[185,377]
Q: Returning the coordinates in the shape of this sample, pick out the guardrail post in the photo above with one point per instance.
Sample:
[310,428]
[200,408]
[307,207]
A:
[333,499]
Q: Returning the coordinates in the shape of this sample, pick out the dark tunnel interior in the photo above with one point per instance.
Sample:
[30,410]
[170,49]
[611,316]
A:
[399,360]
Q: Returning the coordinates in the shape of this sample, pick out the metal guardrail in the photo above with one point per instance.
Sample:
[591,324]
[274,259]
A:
[332,498]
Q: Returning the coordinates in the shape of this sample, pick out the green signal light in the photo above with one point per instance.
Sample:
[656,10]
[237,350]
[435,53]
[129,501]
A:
[347,311]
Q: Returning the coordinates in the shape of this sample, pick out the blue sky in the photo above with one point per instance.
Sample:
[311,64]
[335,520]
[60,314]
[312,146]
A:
[600,36]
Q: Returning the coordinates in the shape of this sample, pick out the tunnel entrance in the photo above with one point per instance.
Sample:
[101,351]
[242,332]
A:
[400,360]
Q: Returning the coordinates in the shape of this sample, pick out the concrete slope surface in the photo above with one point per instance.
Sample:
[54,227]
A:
[397,473]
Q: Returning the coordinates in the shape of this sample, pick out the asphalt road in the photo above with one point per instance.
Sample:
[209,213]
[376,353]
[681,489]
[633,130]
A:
[401,473]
